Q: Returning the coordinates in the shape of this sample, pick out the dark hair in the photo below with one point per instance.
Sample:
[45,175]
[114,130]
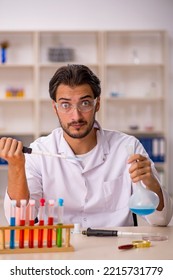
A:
[74,75]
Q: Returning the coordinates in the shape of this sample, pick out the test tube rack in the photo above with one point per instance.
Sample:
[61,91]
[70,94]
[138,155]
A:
[4,244]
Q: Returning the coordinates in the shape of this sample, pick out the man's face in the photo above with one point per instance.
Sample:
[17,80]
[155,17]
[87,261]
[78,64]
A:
[76,123]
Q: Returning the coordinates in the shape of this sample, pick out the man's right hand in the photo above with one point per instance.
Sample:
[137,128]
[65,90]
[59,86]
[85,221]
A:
[11,151]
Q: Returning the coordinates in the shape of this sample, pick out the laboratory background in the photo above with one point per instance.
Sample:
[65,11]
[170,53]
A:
[127,43]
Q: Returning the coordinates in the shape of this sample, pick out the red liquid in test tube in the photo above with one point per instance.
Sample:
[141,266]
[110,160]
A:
[31,235]
[22,235]
[49,232]
[40,235]
[22,222]
[50,222]
[41,222]
[31,222]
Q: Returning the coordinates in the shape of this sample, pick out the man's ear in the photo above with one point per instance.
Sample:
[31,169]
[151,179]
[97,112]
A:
[98,104]
[54,107]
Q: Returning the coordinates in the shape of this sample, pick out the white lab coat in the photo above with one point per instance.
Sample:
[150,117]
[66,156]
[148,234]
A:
[96,195]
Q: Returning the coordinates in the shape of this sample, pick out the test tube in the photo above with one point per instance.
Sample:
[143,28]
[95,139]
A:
[41,222]
[31,222]
[60,222]
[50,222]
[12,223]
[22,222]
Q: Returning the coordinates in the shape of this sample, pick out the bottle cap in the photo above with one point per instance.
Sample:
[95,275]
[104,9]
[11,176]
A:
[23,202]
[51,202]
[60,201]
[32,202]
[13,202]
[42,202]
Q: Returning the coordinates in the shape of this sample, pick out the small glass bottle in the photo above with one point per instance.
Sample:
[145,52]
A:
[136,59]
[133,123]
[148,119]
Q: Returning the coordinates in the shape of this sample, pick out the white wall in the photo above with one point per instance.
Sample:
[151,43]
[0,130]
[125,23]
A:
[85,14]
[92,14]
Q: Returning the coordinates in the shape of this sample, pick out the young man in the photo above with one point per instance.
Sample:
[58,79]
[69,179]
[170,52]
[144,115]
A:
[96,190]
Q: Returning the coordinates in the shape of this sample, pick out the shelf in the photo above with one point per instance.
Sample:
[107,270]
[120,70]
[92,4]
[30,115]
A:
[133,65]
[14,133]
[7,65]
[16,99]
[152,133]
[135,99]
[57,65]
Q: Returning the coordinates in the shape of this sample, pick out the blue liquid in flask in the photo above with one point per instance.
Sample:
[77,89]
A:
[142,211]
[143,201]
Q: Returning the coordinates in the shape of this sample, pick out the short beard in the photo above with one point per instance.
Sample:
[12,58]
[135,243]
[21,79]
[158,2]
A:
[80,135]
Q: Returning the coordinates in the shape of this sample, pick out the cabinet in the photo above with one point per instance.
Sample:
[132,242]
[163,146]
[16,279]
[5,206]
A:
[135,89]
[132,67]
[18,114]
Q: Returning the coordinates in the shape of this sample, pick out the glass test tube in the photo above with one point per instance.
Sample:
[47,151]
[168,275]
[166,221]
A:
[12,223]
[22,222]
[31,222]
[50,222]
[60,222]
[41,222]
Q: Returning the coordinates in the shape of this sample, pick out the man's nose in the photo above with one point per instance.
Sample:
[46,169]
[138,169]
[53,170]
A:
[76,112]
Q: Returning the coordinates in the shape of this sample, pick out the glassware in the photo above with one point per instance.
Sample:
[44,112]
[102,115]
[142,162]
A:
[143,201]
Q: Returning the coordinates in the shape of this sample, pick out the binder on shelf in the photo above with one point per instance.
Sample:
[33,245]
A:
[155,147]
[3,161]
[162,150]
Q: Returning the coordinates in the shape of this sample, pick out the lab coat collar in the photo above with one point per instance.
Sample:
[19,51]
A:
[100,155]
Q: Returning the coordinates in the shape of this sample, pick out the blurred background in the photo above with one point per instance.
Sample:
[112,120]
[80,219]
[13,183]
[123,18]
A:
[127,43]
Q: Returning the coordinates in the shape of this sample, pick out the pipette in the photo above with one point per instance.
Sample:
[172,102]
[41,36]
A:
[41,222]
[117,233]
[27,150]
[60,222]
[31,222]
[12,223]
[50,222]
[22,222]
